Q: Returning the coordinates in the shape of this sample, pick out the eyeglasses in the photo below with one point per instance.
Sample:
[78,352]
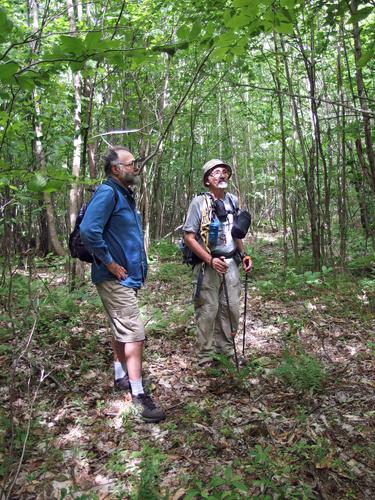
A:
[219,171]
[137,163]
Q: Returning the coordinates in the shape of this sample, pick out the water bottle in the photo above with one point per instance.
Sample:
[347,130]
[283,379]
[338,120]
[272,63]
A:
[213,232]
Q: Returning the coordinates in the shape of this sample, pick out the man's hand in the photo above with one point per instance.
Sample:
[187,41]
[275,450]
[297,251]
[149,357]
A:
[120,272]
[219,264]
[247,263]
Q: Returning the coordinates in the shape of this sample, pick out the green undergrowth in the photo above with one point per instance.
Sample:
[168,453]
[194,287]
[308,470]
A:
[355,286]
[164,250]
[212,427]
[301,371]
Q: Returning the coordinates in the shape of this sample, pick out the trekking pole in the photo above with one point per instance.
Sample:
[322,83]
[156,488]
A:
[230,322]
[244,317]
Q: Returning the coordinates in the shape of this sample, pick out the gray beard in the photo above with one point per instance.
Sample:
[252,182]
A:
[133,180]
[222,185]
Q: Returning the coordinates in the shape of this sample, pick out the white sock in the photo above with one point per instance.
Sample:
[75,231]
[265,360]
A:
[125,370]
[119,370]
[137,387]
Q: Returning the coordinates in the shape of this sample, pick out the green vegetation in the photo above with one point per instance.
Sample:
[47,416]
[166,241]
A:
[150,470]
[248,432]
[301,372]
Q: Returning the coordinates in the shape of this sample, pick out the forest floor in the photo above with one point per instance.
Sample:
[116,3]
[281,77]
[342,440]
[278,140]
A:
[297,420]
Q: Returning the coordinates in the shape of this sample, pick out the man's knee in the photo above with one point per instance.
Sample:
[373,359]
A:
[207,312]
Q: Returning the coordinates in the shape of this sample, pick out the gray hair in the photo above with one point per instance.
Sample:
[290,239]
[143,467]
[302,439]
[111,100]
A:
[111,158]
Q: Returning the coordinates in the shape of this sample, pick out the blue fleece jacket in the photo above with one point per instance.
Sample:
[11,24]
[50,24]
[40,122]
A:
[114,233]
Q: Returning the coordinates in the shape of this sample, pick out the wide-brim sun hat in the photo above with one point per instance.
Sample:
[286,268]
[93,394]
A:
[210,165]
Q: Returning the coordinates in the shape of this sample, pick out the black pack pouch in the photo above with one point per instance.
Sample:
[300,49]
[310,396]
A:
[220,210]
[241,225]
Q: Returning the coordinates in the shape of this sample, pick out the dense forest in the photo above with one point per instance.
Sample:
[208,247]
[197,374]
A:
[282,90]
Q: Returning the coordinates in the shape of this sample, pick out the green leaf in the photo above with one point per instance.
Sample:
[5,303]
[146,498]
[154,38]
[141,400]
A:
[286,16]
[139,55]
[251,10]
[195,30]
[56,53]
[238,50]
[286,28]
[365,58]
[6,25]
[219,53]
[8,70]
[77,65]
[25,82]
[226,39]
[72,45]
[289,4]
[210,29]
[361,14]
[242,3]
[238,21]
[93,41]
[37,183]
[228,13]
[59,174]
[53,185]
[183,32]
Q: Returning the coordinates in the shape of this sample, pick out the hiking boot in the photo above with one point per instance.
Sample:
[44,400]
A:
[122,384]
[149,411]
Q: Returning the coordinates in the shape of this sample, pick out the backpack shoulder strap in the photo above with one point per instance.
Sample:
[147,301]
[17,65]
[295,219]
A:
[113,186]
[206,217]
[233,202]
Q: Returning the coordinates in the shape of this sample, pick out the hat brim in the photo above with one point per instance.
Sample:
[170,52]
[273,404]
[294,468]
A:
[213,168]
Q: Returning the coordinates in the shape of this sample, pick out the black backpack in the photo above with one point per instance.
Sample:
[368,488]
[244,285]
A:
[188,256]
[76,247]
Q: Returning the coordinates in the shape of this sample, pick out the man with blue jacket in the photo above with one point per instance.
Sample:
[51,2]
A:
[112,231]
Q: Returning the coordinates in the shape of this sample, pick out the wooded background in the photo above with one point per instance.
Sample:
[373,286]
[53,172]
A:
[282,90]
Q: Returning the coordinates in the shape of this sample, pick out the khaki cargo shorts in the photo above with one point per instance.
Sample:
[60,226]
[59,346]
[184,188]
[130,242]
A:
[121,305]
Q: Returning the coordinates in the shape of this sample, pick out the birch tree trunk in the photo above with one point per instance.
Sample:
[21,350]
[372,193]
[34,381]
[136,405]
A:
[77,269]
[77,142]
[53,240]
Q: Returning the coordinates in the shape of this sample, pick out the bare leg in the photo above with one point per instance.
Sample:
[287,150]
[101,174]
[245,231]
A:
[133,355]
[118,351]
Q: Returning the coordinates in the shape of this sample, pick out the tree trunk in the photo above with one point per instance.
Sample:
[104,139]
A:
[283,153]
[309,61]
[308,168]
[366,120]
[341,163]
[38,151]
[77,142]
[235,176]
[75,198]
[155,169]
[362,202]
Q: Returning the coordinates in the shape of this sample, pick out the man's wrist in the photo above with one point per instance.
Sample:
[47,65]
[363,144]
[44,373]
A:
[208,260]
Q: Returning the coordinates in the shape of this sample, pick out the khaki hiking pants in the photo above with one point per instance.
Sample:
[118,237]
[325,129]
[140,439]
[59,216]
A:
[211,310]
